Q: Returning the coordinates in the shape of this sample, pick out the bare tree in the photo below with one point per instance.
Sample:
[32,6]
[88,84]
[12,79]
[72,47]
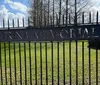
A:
[46,12]
[38,12]
[77,7]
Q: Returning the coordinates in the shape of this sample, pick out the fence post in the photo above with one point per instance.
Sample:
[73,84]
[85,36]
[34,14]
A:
[0,55]
[75,18]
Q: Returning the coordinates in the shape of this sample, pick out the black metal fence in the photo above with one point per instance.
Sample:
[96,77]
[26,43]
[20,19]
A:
[57,63]
[64,61]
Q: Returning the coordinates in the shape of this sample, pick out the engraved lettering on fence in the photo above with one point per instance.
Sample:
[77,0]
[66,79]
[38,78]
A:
[19,35]
[80,31]
[36,34]
[55,34]
[9,34]
[26,35]
[64,31]
[52,34]
[85,32]
[72,33]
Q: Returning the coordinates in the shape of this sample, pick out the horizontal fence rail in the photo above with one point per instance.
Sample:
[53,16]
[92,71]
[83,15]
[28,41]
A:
[51,34]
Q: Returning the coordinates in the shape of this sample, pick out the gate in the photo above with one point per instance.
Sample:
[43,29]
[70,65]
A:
[49,55]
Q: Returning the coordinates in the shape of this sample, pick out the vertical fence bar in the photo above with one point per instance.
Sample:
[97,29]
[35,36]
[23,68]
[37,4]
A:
[15,64]
[48,10]
[51,21]
[35,64]
[23,22]
[3,23]
[82,53]
[96,66]
[13,26]
[44,15]
[25,63]
[75,19]
[1,65]
[8,24]
[76,62]
[13,22]
[82,63]
[41,62]
[66,12]
[89,66]
[97,17]
[58,60]
[18,22]
[89,17]
[97,54]
[46,63]
[70,64]
[10,65]
[63,17]
[69,19]
[28,21]
[20,59]
[57,21]
[82,17]
[40,17]
[45,20]
[37,10]
[5,63]
[52,62]
[34,12]
[60,4]
[64,75]
[53,12]
[30,63]
[41,13]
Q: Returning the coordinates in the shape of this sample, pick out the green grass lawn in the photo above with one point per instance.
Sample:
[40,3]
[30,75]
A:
[49,60]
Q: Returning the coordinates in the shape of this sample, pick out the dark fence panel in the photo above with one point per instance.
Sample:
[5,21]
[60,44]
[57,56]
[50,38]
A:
[32,63]
[59,57]
[46,49]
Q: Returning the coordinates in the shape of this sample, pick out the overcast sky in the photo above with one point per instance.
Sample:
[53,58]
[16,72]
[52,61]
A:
[18,8]
[13,8]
